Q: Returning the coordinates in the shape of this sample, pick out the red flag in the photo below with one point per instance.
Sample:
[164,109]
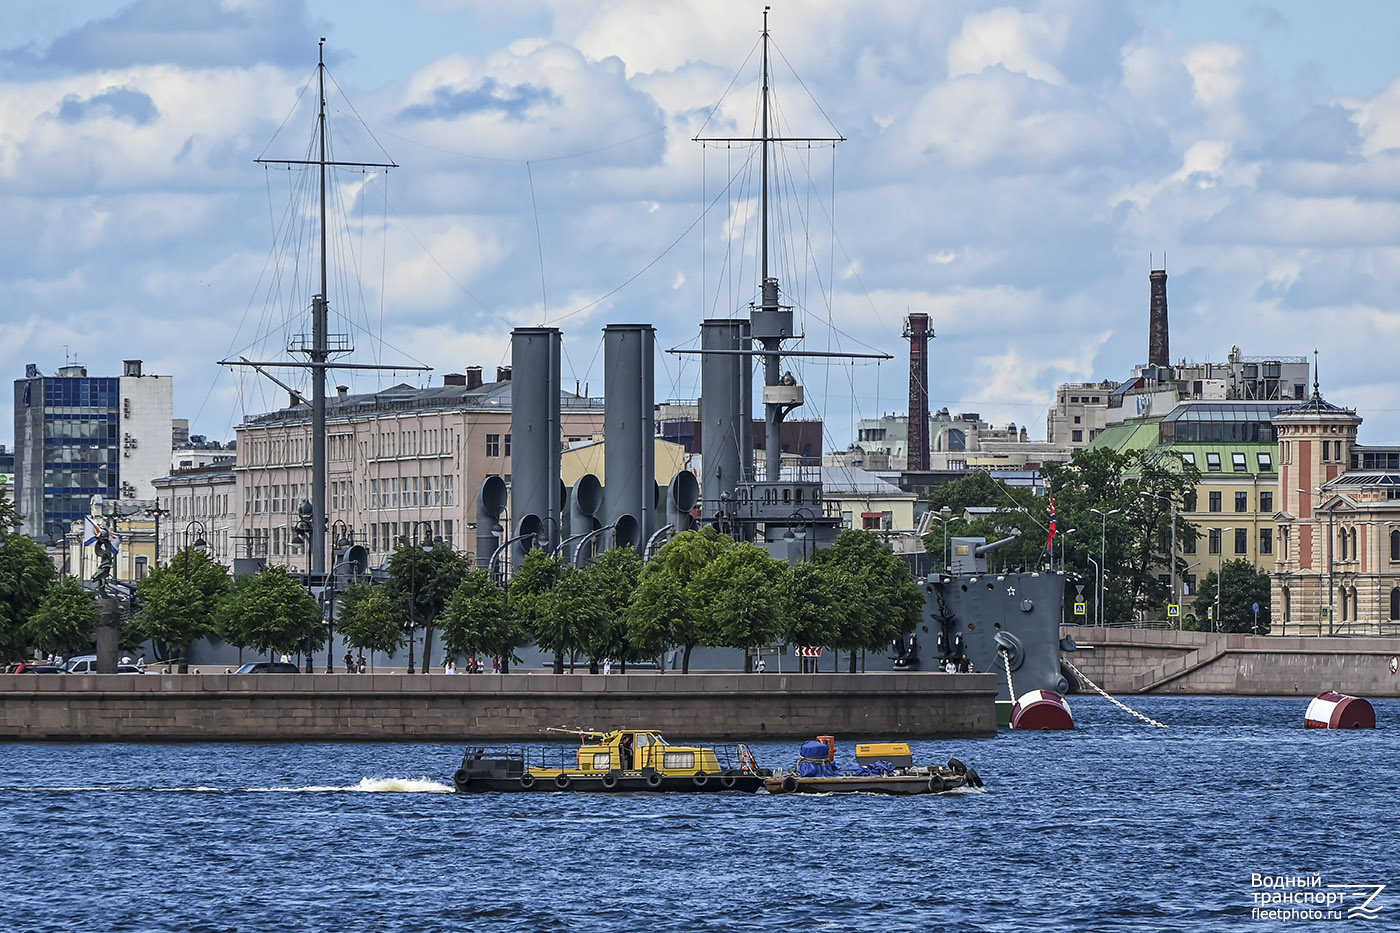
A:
[1050,542]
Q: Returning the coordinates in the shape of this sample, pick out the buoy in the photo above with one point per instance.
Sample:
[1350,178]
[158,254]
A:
[1338,711]
[1041,709]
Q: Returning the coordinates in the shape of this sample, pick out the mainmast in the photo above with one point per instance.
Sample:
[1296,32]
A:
[322,343]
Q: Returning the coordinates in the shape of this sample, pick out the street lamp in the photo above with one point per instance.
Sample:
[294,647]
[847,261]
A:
[1064,547]
[1103,531]
[426,544]
[194,530]
[1220,572]
[1098,573]
[943,515]
[582,545]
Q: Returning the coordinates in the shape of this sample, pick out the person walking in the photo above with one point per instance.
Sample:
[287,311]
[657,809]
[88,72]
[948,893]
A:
[450,667]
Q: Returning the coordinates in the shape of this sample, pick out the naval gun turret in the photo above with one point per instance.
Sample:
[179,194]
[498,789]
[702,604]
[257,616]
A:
[970,554]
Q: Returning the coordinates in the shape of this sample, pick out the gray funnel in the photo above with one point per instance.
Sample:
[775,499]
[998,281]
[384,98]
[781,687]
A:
[629,455]
[535,437]
[726,413]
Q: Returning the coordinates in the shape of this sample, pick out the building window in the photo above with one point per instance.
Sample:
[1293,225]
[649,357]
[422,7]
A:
[1076,436]
[1215,505]
[1188,457]
[1214,541]
[493,445]
[1241,540]
[1266,502]
[1266,540]
[1266,463]
[1188,585]
[1188,501]
[1395,604]
[507,445]
[1238,461]
[1395,545]
[1188,544]
[1241,502]
[1078,420]
[1212,462]
[1342,545]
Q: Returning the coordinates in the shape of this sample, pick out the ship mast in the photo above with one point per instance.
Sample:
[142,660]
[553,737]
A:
[321,345]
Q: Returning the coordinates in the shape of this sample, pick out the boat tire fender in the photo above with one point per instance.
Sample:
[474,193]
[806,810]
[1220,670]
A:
[973,778]
[936,784]
[728,781]
[462,776]
[700,779]
[790,784]
[527,780]
[562,782]
[653,780]
[610,780]
[957,767]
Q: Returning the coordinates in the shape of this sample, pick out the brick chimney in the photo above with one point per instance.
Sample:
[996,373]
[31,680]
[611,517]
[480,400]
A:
[503,374]
[473,377]
[1158,345]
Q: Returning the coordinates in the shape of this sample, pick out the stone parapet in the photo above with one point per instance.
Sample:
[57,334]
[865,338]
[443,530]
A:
[488,707]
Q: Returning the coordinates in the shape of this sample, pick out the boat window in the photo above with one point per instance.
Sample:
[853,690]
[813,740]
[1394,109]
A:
[643,740]
[602,761]
[678,760]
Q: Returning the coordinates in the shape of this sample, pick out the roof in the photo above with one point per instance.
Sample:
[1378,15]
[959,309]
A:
[404,397]
[842,479]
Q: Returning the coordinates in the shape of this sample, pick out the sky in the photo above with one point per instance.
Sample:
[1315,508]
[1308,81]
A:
[1013,169]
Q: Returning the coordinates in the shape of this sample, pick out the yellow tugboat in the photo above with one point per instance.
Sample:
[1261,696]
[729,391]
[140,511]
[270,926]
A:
[622,760]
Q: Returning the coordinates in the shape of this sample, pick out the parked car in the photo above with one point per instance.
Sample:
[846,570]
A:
[268,667]
[87,664]
[33,668]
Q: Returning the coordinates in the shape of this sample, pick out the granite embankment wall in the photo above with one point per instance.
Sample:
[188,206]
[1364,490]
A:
[350,707]
[1126,661]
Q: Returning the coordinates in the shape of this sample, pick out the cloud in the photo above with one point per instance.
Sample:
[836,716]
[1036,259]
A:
[488,95]
[121,103]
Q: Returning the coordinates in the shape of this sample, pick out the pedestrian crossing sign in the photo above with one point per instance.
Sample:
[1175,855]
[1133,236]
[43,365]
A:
[1080,609]
[1173,611]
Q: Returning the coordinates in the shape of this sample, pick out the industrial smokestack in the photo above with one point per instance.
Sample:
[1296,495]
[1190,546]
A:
[535,436]
[1158,345]
[916,328]
[629,457]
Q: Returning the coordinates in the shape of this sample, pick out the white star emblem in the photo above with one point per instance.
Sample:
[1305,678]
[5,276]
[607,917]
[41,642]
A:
[1011,591]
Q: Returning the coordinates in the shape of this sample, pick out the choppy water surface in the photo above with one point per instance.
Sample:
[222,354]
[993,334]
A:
[1116,826]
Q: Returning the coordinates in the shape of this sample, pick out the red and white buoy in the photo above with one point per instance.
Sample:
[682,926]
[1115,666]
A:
[1041,709]
[1338,711]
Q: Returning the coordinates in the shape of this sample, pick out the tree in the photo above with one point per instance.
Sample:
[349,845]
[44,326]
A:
[1141,488]
[661,613]
[368,620]
[885,604]
[26,573]
[612,579]
[178,601]
[1017,510]
[271,612]
[531,606]
[477,620]
[1240,585]
[10,519]
[740,596]
[821,601]
[64,621]
[420,582]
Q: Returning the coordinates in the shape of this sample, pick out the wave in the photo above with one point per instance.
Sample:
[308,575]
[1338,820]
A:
[369,785]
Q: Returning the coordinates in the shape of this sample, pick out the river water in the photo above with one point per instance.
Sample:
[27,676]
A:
[1115,826]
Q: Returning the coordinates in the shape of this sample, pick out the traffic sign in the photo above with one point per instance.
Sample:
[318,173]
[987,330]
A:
[1173,610]
[809,652]
[1081,609]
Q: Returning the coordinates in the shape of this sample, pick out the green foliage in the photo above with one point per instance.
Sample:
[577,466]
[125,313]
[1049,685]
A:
[611,579]
[741,597]
[178,601]
[9,518]
[1240,585]
[821,599]
[420,583]
[530,605]
[1134,543]
[64,621]
[367,620]
[26,573]
[270,612]
[886,602]
[478,621]
[661,613]
[1018,509]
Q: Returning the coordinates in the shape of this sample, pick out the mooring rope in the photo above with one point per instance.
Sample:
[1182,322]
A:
[1116,702]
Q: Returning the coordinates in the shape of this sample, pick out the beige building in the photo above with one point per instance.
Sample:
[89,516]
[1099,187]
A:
[1338,568]
[134,520]
[1079,415]
[199,504]
[399,462]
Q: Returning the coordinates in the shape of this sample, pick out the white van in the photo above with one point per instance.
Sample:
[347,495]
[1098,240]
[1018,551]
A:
[87,664]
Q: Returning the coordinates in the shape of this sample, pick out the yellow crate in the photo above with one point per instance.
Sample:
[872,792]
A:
[883,750]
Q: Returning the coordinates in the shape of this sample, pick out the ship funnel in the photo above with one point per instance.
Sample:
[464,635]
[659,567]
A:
[726,413]
[585,500]
[535,438]
[629,456]
[682,495]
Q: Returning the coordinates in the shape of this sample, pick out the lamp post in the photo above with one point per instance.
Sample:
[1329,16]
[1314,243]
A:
[1064,546]
[1098,572]
[194,539]
[414,539]
[1103,532]
[943,515]
[1219,573]
[580,550]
